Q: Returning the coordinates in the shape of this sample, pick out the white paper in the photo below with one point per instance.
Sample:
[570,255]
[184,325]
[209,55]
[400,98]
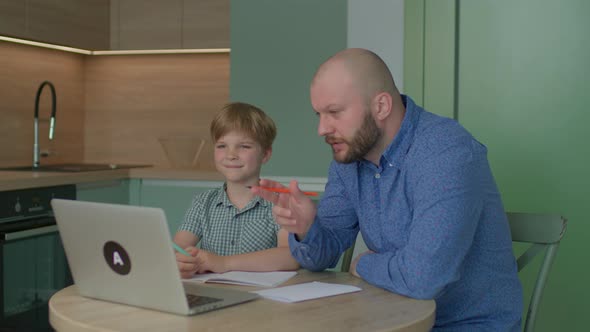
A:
[306,291]
[265,279]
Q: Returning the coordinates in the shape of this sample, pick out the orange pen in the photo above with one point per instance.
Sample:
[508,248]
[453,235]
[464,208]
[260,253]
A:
[286,191]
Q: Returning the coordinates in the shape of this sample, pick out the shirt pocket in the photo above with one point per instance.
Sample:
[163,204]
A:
[259,234]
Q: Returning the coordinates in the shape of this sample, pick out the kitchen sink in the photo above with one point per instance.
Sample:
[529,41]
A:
[73,167]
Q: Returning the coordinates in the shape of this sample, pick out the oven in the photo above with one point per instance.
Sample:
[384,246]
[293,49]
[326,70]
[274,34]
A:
[32,261]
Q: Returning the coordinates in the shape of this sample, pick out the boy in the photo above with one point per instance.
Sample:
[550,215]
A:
[236,229]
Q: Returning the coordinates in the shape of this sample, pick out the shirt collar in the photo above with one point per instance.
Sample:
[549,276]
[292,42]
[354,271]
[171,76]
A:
[222,198]
[397,150]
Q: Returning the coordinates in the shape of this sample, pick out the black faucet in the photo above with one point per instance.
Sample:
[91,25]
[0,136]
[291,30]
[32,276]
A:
[51,123]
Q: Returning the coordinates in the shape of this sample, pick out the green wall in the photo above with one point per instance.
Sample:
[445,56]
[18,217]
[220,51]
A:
[276,47]
[429,54]
[521,85]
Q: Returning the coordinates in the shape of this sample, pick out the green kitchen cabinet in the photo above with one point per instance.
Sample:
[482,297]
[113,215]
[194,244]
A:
[173,196]
[520,75]
[112,191]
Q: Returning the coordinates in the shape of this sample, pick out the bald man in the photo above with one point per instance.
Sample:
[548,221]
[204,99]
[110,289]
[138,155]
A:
[420,190]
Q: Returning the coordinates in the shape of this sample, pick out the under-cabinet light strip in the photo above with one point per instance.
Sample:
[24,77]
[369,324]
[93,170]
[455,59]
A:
[45,45]
[118,52]
[170,51]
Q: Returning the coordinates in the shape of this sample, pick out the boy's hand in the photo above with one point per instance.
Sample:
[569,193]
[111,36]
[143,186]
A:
[294,211]
[209,262]
[187,265]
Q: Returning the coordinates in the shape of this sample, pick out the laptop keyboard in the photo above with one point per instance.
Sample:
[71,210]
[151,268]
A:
[196,300]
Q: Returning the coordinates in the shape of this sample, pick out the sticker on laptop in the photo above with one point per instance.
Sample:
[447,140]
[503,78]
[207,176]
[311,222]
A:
[117,258]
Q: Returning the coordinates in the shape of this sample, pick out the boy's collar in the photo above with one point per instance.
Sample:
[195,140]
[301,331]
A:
[223,198]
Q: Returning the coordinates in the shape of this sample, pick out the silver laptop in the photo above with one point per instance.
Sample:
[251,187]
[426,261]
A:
[124,254]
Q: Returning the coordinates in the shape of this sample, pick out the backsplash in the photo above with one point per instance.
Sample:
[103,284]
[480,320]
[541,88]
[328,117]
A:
[22,69]
[109,108]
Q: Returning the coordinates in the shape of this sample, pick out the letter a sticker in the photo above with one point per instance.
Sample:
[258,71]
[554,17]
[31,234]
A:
[116,257]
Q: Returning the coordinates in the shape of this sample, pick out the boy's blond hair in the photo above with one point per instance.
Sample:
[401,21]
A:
[247,119]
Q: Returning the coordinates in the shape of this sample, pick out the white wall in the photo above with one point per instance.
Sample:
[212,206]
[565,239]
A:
[378,25]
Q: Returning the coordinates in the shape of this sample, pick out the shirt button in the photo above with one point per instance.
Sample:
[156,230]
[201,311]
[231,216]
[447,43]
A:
[390,165]
[377,175]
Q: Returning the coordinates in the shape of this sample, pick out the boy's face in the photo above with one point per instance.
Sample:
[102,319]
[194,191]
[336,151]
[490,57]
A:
[239,158]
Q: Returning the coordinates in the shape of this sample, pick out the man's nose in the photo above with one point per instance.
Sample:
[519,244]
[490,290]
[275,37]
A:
[324,127]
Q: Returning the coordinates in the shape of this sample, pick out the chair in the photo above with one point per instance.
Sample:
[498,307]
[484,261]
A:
[347,259]
[542,231]
[360,247]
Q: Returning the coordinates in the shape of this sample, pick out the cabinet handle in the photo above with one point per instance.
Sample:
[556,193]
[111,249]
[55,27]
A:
[29,233]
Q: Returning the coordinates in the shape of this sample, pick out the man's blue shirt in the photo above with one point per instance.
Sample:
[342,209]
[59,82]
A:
[433,215]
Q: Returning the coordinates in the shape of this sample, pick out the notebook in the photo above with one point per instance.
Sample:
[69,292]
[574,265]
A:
[264,279]
[124,254]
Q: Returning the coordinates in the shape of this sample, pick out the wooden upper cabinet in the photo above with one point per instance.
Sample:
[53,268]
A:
[205,24]
[82,24]
[119,24]
[146,24]
[13,20]
[169,24]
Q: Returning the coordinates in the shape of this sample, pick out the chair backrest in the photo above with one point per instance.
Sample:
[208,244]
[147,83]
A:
[543,232]
[347,259]
[357,247]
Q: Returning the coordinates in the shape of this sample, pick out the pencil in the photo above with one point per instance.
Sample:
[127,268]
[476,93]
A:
[287,191]
[180,250]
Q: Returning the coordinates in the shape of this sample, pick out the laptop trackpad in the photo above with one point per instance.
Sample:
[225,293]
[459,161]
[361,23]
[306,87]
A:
[197,300]
[210,298]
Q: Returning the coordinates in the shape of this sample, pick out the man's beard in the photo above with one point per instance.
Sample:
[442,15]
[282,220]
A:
[361,143]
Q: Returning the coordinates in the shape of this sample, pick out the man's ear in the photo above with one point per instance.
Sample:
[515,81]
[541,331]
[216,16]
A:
[267,155]
[382,103]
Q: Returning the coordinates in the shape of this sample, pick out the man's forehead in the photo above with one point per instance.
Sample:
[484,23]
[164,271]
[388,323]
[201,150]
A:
[328,99]
[332,68]
[332,88]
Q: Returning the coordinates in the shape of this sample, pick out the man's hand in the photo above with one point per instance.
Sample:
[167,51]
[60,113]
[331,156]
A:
[355,261]
[294,211]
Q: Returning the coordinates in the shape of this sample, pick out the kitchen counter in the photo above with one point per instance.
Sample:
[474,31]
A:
[13,180]
[174,174]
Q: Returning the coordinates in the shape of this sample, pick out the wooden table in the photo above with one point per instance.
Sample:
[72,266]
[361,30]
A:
[372,309]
